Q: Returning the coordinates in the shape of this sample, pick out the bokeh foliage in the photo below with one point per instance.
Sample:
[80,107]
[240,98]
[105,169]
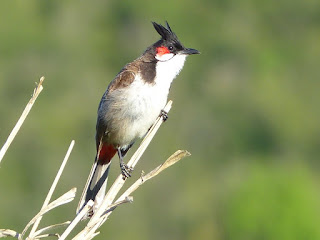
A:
[247,108]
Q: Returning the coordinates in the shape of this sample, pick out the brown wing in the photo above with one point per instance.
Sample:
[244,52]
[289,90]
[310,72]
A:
[124,78]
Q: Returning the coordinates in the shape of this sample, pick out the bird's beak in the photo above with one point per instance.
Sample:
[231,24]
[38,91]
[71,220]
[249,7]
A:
[189,51]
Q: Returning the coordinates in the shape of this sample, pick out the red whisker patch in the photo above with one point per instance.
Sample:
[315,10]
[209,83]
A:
[162,50]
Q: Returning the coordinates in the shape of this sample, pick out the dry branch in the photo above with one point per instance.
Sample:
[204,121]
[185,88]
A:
[174,158]
[54,184]
[77,219]
[108,204]
[50,228]
[64,199]
[24,114]
[8,233]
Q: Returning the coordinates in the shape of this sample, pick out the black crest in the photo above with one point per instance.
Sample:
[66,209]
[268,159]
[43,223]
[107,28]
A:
[165,33]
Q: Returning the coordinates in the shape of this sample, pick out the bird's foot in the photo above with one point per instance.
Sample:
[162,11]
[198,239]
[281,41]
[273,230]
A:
[164,115]
[125,170]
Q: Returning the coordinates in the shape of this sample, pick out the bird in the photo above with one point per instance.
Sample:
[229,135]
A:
[130,105]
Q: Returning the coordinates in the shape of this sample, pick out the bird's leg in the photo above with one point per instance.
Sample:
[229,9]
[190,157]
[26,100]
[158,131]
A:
[125,170]
[164,115]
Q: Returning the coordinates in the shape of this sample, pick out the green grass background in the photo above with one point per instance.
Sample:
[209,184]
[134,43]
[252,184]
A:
[247,109]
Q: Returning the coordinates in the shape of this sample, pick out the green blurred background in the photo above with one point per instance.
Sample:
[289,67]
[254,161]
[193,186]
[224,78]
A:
[247,109]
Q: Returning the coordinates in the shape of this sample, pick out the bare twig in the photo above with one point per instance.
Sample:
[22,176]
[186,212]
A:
[77,219]
[23,116]
[65,198]
[54,184]
[50,228]
[8,233]
[127,199]
[174,158]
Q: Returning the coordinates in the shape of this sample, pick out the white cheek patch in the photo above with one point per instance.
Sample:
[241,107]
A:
[164,57]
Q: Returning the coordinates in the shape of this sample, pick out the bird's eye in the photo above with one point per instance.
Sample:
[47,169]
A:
[170,48]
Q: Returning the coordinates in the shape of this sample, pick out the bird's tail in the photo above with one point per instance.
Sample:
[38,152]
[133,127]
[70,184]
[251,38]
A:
[95,187]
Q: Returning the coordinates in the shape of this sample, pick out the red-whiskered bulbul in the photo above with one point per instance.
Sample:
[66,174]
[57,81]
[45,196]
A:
[131,104]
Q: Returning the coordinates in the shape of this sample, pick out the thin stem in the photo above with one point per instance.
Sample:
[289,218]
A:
[77,219]
[54,184]
[23,116]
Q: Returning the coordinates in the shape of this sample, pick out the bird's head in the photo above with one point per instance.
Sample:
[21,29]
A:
[169,45]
